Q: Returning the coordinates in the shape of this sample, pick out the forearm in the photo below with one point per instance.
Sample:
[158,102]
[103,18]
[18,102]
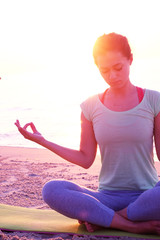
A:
[157,135]
[83,157]
[157,145]
[77,157]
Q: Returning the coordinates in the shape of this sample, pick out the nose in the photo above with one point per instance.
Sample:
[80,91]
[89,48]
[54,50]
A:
[112,74]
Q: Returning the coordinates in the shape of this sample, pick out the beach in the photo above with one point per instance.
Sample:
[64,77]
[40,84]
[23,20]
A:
[24,171]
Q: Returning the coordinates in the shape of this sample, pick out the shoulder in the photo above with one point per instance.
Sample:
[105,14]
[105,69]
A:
[88,106]
[91,100]
[153,99]
[152,94]
[151,91]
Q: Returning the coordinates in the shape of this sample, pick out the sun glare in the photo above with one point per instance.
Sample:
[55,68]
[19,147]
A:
[46,49]
[48,38]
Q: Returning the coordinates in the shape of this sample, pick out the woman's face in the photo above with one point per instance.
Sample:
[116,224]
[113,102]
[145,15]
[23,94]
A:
[114,68]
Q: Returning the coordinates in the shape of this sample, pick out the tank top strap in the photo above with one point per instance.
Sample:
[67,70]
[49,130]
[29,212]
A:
[103,96]
[140,94]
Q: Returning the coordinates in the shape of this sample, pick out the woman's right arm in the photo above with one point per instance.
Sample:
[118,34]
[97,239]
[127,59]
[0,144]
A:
[83,157]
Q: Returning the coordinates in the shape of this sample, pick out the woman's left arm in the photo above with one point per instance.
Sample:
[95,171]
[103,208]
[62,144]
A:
[157,134]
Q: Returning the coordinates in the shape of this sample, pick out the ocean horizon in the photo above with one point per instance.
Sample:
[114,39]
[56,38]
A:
[54,106]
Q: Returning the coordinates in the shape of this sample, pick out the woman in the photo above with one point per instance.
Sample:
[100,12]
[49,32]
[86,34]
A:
[122,121]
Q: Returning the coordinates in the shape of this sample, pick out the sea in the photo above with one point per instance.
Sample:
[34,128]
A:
[54,105]
[55,115]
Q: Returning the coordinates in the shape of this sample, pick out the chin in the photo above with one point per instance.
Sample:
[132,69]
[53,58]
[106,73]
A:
[117,84]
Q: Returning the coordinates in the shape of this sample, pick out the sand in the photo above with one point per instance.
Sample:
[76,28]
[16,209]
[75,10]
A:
[23,173]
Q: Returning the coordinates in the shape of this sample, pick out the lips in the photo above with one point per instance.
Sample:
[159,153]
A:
[113,83]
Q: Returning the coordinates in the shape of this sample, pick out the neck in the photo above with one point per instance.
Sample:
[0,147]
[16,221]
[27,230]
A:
[125,90]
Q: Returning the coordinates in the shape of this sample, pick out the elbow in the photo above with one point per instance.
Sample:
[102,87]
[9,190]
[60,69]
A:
[86,160]
[87,164]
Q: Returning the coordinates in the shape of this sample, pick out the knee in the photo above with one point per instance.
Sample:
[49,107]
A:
[50,190]
[146,207]
[56,189]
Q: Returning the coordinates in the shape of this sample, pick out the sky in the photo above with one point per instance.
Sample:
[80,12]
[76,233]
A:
[52,41]
[40,33]
[46,56]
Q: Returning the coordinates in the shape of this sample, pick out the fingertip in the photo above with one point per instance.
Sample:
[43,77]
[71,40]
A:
[33,127]
[16,123]
[32,124]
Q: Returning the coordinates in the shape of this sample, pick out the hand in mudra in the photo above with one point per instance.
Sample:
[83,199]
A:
[34,136]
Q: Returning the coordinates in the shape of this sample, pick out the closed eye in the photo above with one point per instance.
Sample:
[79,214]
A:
[105,70]
[118,67]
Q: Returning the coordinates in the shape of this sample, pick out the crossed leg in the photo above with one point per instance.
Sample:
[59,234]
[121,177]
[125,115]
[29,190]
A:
[76,202]
[79,203]
[141,216]
[122,223]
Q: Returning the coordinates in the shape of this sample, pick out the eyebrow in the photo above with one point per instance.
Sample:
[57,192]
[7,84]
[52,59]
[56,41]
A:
[103,68]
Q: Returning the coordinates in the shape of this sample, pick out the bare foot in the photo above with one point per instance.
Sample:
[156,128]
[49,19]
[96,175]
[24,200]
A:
[89,226]
[148,227]
[81,222]
[122,223]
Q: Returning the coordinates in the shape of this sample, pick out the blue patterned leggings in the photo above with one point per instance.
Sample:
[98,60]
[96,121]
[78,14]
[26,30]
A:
[98,207]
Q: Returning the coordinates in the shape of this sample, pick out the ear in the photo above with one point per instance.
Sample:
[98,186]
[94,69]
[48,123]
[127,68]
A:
[131,59]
